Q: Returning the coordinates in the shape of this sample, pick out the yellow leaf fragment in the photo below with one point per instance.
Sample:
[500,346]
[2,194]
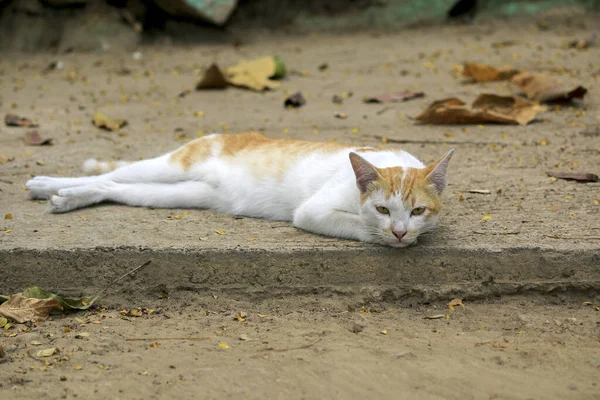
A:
[220,232]
[436,316]
[223,345]
[253,74]
[47,352]
[486,218]
[102,121]
[384,332]
[8,216]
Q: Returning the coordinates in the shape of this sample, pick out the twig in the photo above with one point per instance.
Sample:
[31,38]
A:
[384,109]
[117,280]
[497,233]
[172,338]
[421,141]
[6,181]
[573,237]
[306,346]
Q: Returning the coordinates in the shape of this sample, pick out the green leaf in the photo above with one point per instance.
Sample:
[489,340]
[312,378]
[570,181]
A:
[3,299]
[37,292]
[279,68]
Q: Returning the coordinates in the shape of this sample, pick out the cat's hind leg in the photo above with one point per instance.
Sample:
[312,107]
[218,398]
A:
[188,194]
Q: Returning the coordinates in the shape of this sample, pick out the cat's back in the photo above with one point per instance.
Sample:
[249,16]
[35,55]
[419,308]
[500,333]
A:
[257,153]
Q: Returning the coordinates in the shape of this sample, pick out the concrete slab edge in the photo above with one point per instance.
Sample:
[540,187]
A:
[422,273]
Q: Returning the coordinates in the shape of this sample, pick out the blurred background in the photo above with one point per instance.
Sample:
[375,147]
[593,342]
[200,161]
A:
[63,25]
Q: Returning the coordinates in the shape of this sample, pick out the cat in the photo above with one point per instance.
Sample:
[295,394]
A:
[379,196]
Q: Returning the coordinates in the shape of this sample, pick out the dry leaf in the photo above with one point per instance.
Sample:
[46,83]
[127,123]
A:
[253,74]
[15,120]
[22,309]
[47,352]
[33,138]
[384,332]
[102,121]
[574,176]
[479,191]
[486,218]
[487,108]
[296,100]
[436,316]
[486,73]
[2,352]
[544,89]
[153,345]
[223,345]
[340,115]
[455,303]
[213,79]
[3,322]
[220,232]
[393,97]
[582,44]
[8,216]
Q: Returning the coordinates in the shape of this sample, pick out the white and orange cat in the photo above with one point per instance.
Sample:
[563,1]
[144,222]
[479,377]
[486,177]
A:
[380,196]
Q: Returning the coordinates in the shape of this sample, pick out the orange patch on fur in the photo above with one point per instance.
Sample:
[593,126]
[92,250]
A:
[262,155]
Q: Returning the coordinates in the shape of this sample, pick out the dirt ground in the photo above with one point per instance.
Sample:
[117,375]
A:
[515,348]
[309,348]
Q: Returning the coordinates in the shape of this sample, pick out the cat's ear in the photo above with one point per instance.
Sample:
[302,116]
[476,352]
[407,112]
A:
[366,173]
[438,175]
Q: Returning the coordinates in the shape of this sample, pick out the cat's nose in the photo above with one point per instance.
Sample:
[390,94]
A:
[399,234]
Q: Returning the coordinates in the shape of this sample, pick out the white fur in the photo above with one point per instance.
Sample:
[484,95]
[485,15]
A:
[318,193]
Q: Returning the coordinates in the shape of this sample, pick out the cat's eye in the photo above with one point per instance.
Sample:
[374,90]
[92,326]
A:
[418,211]
[383,210]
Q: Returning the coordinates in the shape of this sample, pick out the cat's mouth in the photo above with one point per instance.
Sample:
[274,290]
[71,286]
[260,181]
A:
[401,243]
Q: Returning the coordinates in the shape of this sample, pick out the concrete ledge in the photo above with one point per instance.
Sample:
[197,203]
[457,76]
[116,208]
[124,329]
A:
[421,273]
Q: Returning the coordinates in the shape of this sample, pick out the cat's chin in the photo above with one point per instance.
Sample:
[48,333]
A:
[401,245]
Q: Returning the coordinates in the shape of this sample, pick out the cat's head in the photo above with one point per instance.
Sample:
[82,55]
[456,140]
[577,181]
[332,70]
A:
[398,204]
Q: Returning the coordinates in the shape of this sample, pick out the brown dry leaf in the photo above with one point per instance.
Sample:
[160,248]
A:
[582,44]
[33,138]
[487,108]
[455,303]
[487,73]
[15,120]
[22,309]
[213,79]
[102,121]
[2,353]
[295,100]
[253,74]
[574,176]
[545,89]
[394,97]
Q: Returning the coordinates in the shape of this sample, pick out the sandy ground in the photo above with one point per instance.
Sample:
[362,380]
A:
[531,348]
[311,348]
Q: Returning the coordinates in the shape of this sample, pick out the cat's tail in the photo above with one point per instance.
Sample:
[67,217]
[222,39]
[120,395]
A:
[95,167]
